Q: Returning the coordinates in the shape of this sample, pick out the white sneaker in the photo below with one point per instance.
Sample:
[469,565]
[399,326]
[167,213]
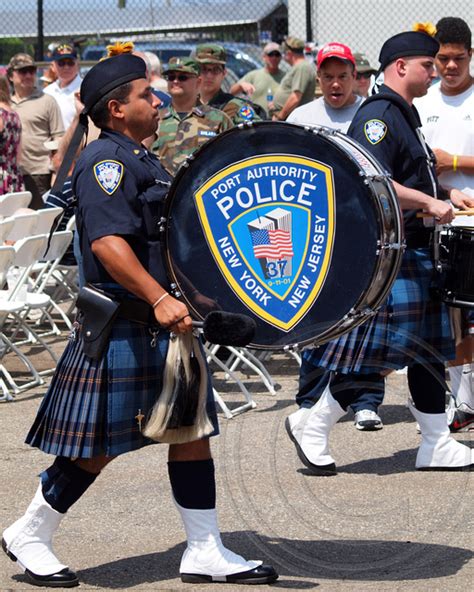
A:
[367,421]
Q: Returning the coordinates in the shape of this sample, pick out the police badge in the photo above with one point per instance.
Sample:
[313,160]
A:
[375,131]
[275,214]
[108,174]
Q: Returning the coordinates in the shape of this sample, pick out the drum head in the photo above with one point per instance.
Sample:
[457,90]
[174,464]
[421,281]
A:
[273,221]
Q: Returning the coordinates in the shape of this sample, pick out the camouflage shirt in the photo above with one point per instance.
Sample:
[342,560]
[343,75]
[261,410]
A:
[239,110]
[179,137]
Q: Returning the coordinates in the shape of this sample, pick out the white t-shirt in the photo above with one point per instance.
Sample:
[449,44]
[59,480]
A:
[448,123]
[319,112]
[65,98]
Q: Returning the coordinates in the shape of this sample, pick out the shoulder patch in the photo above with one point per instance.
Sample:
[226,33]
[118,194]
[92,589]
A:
[108,174]
[246,112]
[375,130]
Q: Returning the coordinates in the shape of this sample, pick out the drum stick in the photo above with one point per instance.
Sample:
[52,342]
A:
[469,212]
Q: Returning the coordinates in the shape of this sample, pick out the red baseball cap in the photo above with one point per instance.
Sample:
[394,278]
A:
[335,50]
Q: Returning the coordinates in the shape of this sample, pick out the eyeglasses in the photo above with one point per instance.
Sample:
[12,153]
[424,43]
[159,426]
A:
[66,62]
[274,54]
[365,75]
[181,77]
[27,70]
[212,71]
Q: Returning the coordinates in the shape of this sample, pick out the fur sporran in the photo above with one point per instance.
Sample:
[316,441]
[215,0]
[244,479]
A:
[179,415]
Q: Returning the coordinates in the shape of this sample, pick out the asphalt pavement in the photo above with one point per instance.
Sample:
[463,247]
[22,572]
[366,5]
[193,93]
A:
[377,525]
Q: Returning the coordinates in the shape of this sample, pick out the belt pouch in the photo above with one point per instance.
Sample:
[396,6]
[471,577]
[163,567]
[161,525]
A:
[99,310]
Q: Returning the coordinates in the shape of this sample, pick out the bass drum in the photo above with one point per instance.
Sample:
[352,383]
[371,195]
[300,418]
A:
[297,227]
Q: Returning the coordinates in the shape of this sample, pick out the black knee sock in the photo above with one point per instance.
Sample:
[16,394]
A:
[427,387]
[64,483]
[193,483]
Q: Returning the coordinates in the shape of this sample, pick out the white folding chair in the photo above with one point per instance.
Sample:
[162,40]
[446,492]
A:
[27,253]
[5,227]
[45,274]
[46,217]
[11,308]
[23,225]
[11,202]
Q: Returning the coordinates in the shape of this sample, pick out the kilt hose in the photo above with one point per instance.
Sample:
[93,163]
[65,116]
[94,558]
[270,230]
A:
[412,326]
[93,407]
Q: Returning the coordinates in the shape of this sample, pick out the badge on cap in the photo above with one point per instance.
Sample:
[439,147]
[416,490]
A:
[246,112]
[108,174]
[375,131]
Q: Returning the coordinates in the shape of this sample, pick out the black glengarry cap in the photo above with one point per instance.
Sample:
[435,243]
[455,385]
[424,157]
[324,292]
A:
[108,74]
[409,43]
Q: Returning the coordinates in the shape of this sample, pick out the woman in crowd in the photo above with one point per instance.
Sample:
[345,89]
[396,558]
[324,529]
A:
[10,134]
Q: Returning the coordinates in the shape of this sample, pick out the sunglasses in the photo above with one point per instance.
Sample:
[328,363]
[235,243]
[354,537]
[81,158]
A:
[274,54]
[213,71]
[365,75]
[27,70]
[66,62]
[181,77]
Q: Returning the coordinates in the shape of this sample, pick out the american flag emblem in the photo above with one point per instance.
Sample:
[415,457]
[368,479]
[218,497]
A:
[274,244]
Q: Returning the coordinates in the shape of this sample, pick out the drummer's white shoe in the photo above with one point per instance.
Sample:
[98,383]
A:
[28,542]
[438,450]
[207,560]
[309,431]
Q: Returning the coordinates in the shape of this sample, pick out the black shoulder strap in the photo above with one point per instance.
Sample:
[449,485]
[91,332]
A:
[61,177]
[401,104]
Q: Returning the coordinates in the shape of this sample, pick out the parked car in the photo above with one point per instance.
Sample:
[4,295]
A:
[241,57]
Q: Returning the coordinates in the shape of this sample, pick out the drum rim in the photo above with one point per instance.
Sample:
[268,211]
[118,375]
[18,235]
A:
[360,316]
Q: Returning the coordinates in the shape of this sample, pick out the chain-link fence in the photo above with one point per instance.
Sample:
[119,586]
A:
[33,25]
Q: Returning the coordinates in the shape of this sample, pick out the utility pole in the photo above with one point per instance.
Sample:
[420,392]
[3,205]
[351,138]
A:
[40,37]
[309,20]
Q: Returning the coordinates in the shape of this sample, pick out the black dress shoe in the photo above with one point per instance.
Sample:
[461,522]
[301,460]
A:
[319,470]
[65,578]
[263,574]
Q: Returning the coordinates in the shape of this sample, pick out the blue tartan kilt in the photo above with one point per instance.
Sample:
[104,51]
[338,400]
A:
[92,407]
[412,326]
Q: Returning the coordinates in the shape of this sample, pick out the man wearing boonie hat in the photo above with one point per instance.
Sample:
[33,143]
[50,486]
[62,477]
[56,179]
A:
[364,73]
[41,121]
[299,83]
[412,326]
[187,123]
[212,59]
[66,67]
[338,104]
[98,399]
[261,84]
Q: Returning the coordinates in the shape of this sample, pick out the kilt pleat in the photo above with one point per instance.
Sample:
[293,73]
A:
[410,327]
[99,407]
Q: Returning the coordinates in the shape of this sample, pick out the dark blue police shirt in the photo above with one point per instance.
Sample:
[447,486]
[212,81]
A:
[120,189]
[384,129]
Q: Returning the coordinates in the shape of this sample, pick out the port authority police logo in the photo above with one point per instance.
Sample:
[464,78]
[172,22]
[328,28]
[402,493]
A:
[375,131]
[108,174]
[269,222]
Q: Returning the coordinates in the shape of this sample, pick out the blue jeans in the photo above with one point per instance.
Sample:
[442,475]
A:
[313,380]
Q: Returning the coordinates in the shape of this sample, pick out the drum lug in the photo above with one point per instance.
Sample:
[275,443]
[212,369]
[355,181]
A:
[175,291]
[358,314]
[162,224]
[389,247]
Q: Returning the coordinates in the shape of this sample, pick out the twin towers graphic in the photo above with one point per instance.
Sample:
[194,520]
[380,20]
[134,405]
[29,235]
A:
[272,243]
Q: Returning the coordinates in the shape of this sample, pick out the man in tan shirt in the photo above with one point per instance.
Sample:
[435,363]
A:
[41,121]
[298,85]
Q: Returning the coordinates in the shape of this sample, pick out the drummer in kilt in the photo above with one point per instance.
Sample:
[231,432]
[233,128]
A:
[97,404]
[412,327]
